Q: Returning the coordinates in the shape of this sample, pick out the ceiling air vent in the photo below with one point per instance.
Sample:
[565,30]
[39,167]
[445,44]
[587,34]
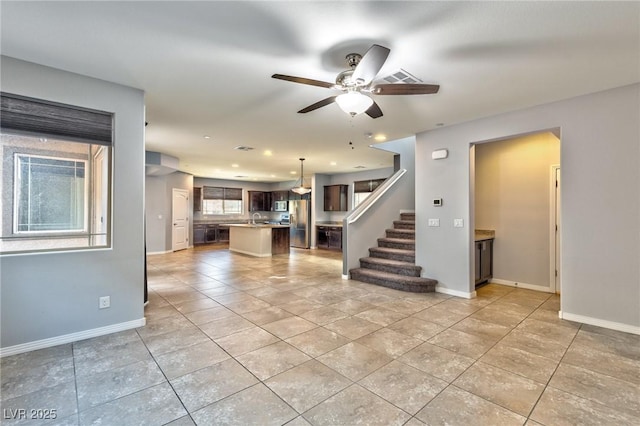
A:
[243,148]
[401,76]
[359,167]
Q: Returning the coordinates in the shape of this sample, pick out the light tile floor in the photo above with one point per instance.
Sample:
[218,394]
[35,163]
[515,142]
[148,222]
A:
[237,340]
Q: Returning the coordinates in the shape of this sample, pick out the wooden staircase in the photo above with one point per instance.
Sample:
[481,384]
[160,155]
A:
[392,263]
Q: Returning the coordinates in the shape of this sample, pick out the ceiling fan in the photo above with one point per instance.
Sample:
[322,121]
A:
[357,81]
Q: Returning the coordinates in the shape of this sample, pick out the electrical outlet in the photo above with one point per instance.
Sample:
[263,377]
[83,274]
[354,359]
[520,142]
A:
[104,302]
[458,223]
[434,222]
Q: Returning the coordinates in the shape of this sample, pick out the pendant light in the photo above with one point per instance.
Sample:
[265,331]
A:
[301,189]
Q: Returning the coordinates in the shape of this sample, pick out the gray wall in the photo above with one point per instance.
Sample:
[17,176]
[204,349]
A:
[49,295]
[600,163]
[158,209]
[513,197]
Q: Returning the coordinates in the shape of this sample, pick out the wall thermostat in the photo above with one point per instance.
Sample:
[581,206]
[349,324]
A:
[437,202]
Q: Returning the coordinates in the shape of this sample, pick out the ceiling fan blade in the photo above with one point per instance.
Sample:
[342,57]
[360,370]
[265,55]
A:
[374,111]
[370,64]
[303,80]
[404,89]
[317,105]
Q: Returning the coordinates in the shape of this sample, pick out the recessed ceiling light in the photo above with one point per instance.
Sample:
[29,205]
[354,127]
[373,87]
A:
[207,137]
[235,165]
[333,163]
[380,137]
[272,175]
[293,172]
[268,153]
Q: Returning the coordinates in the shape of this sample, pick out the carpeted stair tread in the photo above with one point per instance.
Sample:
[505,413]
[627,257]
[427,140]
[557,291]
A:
[391,266]
[409,234]
[398,282]
[404,224]
[393,253]
[408,216]
[400,243]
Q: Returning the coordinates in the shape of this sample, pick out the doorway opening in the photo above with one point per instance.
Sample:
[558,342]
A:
[512,196]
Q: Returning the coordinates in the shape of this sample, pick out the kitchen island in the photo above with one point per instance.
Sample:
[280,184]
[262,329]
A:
[260,240]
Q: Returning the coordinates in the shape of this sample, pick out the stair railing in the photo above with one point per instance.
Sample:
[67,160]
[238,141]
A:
[361,227]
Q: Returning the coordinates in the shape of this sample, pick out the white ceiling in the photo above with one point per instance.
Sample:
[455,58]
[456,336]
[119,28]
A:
[206,68]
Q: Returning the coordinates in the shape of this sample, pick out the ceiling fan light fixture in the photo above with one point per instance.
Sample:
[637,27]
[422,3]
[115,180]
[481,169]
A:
[354,103]
[301,190]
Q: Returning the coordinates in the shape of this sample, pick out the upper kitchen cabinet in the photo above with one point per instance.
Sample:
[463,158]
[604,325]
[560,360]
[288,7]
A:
[335,198]
[197,199]
[259,201]
[280,196]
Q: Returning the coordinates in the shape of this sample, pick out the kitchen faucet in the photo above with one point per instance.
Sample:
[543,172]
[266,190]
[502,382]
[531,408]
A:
[254,217]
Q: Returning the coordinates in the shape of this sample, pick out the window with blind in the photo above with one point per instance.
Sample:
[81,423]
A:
[56,176]
[363,188]
[217,200]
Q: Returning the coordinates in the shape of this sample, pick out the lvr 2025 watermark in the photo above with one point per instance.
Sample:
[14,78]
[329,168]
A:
[32,414]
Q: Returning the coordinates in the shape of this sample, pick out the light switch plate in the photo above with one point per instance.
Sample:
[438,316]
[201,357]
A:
[458,223]
[434,222]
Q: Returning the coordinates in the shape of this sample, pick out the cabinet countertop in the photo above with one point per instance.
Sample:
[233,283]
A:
[327,223]
[484,234]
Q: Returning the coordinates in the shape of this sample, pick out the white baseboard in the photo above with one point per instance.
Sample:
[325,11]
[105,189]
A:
[345,277]
[520,285]
[69,338]
[600,322]
[463,294]
[159,252]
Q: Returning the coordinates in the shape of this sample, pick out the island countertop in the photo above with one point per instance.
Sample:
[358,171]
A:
[258,225]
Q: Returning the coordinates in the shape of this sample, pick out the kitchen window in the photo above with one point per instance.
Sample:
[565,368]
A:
[55,177]
[221,201]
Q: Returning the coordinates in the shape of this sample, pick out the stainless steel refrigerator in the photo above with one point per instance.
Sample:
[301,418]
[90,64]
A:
[300,218]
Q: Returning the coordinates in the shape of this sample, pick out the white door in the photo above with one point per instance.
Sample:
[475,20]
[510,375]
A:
[180,219]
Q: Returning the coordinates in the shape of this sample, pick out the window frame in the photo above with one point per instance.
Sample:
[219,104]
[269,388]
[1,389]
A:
[16,204]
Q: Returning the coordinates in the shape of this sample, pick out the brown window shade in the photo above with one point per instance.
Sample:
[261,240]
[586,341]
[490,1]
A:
[233,194]
[367,185]
[220,193]
[43,118]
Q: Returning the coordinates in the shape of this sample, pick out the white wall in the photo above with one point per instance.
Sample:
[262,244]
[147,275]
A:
[52,298]
[513,197]
[600,160]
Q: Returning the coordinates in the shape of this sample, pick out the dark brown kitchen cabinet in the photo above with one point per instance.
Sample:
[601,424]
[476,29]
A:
[484,261]
[199,234]
[335,198]
[280,196]
[259,201]
[329,237]
[197,199]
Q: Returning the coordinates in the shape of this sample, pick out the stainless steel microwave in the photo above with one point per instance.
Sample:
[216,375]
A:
[280,206]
